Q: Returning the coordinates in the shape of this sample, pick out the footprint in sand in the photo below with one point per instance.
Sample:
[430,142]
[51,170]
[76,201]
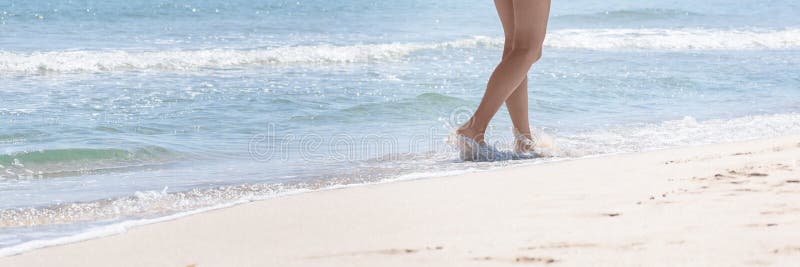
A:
[561,245]
[787,250]
[520,259]
[391,251]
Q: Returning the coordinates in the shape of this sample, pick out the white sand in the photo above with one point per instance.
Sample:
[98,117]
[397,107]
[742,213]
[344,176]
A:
[721,205]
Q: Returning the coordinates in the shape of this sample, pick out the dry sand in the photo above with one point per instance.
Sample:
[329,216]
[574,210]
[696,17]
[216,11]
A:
[722,205]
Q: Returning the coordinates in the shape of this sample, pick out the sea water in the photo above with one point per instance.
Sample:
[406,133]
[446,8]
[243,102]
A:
[116,112]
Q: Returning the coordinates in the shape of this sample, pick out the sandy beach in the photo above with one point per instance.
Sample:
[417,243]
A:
[732,204]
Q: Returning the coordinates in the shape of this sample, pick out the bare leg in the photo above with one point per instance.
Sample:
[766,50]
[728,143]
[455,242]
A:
[530,24]
[517,103]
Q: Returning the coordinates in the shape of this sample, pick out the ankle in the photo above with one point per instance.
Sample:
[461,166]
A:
[522,134]
[472,133]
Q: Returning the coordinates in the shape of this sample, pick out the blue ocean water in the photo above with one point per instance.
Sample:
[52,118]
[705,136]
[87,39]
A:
[112,111]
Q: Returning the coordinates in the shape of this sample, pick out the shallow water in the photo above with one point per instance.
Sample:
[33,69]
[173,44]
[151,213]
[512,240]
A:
[118,110]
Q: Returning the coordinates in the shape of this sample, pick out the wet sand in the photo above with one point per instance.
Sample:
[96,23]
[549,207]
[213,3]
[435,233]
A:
[725,205]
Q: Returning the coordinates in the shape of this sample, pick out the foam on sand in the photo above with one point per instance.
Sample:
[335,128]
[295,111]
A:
[678,133]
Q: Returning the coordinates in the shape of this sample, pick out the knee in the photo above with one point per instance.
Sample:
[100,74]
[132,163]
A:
[507,49]
[528,54]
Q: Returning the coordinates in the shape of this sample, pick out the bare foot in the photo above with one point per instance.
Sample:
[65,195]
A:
[472,146]
[473,134]
[523,141]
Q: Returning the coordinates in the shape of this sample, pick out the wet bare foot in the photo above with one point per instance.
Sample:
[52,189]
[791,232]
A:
[523,141]
[473,134]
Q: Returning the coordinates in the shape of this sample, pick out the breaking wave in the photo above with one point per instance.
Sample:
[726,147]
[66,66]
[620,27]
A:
[188,60]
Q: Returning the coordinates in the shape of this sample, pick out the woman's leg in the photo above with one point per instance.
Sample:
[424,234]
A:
[517,102]
[530,24]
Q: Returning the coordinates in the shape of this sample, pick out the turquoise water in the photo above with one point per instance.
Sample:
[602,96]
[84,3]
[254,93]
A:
[112,111]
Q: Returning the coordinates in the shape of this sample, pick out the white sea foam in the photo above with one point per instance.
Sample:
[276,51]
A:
[677,133]
[104,61]
[101,231]
[188,60]
[674,39]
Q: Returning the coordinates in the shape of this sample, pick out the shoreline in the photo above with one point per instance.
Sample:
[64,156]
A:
[387,203]
[123,226]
